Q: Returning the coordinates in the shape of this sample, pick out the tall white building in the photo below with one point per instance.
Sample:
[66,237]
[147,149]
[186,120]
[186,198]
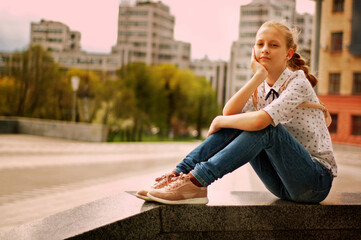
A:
[145,34]
[304,22]
[252,16]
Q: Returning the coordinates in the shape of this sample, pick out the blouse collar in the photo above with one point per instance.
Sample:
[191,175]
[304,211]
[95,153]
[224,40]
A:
[280,81]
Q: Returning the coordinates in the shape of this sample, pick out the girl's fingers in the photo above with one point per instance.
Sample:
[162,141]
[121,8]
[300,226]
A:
[254,54]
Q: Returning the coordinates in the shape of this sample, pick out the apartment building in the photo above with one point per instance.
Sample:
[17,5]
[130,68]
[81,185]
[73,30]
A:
[64,46]
[54,36]
[252,16]
[146,34]
[339,86]
[304,23]
[217,74]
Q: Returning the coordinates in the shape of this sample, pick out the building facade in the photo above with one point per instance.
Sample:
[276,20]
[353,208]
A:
[54,36]
[252,16]
[64,46]
[339,84]
[217,74]
[146,34]
[304,23]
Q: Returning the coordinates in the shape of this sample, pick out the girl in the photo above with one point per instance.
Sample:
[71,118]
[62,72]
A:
[288,145]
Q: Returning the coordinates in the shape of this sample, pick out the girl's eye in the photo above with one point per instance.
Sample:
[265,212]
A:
[274,45]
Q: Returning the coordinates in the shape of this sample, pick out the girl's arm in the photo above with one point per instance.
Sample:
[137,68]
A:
[250,121]
[232,111]
[236,103]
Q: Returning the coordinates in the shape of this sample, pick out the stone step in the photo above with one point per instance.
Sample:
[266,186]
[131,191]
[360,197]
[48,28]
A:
[229,215]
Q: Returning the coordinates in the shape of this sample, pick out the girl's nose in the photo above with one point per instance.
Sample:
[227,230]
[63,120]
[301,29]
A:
[265,49]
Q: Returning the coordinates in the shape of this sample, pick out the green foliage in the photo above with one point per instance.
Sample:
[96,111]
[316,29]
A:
[161,98]
[155,102]
[35,76]
[8,96]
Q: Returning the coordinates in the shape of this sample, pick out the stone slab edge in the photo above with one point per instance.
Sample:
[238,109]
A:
[123,216]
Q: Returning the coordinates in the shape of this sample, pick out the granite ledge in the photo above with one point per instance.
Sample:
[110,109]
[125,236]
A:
[235,215]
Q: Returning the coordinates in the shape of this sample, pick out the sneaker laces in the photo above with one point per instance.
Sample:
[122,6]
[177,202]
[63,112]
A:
[177,181]
[163,180]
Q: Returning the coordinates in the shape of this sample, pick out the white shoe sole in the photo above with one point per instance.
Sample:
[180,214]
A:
[185,201]
[146,198]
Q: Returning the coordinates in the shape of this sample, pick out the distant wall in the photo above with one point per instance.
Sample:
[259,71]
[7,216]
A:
[52,128]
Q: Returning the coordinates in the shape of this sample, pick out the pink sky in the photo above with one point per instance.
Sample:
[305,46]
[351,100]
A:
[209,25]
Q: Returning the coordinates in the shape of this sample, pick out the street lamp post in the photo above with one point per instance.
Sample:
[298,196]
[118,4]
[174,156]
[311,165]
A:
[75,86]
[316,38]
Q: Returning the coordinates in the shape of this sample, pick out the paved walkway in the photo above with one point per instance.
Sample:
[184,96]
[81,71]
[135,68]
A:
[40,176]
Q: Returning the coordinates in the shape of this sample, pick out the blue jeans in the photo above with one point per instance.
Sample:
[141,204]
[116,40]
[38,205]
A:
[281,162]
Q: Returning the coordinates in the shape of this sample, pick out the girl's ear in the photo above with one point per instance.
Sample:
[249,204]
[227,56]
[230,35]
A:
[290,53]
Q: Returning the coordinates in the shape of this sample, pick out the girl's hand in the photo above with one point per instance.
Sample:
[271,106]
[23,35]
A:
[214,126]
[255,64]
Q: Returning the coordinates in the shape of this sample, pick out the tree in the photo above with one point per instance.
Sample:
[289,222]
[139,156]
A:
[165,75]
[190,100]
[8,96]
[206,105]
[196,103]
[136,99]
[35,73]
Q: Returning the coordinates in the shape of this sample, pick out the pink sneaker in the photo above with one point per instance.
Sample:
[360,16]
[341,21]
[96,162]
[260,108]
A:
[160,182]
[180,191]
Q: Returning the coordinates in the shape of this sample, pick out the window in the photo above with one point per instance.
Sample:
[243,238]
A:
[124,12]
[139,54]
[300,21]
[333,127]
[165,56]
[334,83]
[356,125]
[139,44]
[356,88]
[338,5]
[254,12]
[336,42]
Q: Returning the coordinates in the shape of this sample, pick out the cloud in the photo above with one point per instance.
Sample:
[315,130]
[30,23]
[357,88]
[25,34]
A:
[14,32]
[95,20]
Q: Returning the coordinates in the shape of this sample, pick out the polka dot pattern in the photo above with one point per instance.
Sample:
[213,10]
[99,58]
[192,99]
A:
[307,125]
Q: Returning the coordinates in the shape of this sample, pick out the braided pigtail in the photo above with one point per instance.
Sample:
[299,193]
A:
[298,63]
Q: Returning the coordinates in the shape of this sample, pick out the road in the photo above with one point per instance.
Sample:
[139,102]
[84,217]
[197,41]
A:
[40,176]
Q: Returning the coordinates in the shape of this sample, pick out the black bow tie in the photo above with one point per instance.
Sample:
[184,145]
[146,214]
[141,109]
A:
[274,94]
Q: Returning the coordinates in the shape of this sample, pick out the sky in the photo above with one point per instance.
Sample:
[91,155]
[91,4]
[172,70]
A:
[209,25]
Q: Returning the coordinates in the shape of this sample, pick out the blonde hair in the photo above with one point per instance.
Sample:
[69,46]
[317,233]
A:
[291,37]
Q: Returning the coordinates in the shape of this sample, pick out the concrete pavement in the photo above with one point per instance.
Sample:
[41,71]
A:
[40,176]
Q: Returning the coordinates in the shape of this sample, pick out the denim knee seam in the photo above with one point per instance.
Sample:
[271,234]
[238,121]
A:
[220,147]
[203,174]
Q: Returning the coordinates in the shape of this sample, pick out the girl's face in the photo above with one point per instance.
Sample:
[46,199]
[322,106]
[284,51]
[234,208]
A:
[271,50]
